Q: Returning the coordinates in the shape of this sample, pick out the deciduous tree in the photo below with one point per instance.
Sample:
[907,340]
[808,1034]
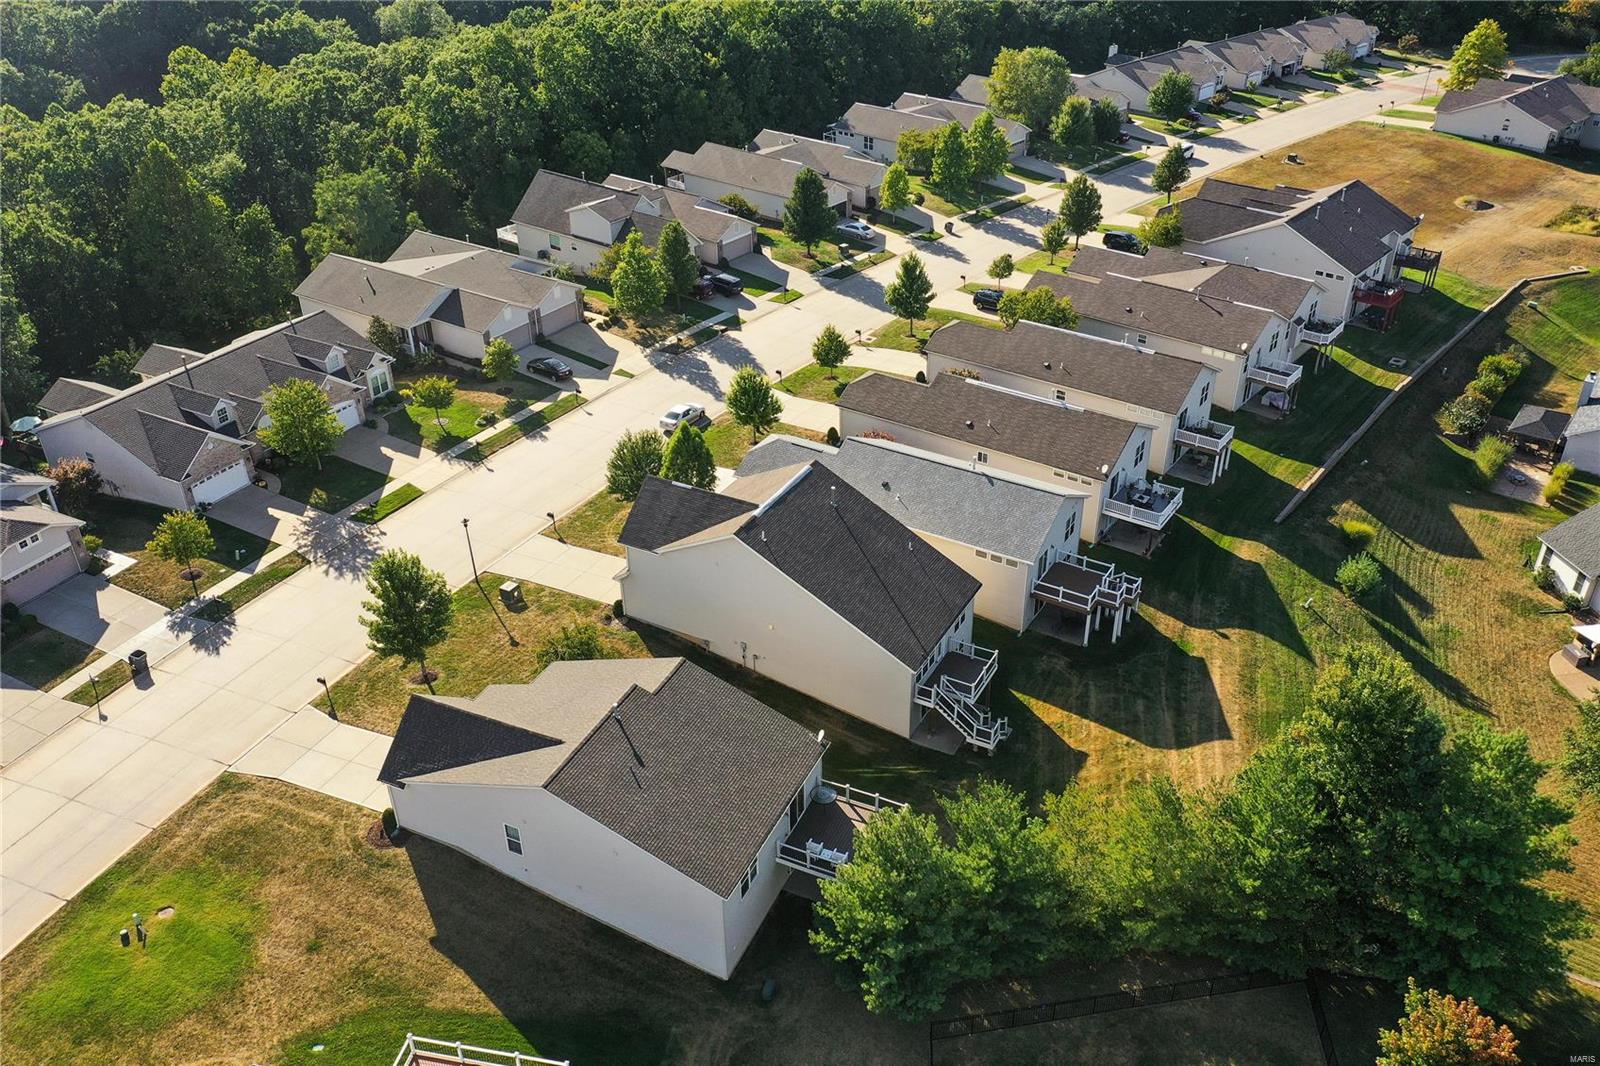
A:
[116,367]
[1164,230]
[1073,125]
[1172,170]
[1336,60]
[987,148]
[409,612]
[1080,207]
[1173,96]
[182,537]
[807,218]
[911,291]
[914,150]
[830,349]
[1586,68]
[680,267]
[1036,305]
[358,214]
[1482,53]
[1053,237]
[302,426]
[1581,759]
[952,167]
[687,458]
[1440,1030]
[499,360]
[1029,85]
[435,392]
[1002,267]
[635,456]
[637,285]
[385,338]
[895,192]
[752,401]
[1107,119]
[77,484]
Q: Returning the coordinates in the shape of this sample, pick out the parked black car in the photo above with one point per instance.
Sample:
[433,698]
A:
[550,367]
[727,284]
[1119,241]
[702,287]
[987,299]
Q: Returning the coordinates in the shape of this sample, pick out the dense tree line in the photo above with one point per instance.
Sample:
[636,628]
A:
[171,168]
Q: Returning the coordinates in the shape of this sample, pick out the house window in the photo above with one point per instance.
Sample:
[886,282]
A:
[1138,454]
[749,876]
[1059,473]
[1274,345]
[223,417]
[868,144]
[1061,394]
[555,242]
[513,840]
[1071,527]
[1205,392]
[982,457]
[28,542]
[1011,562]
[1142,338]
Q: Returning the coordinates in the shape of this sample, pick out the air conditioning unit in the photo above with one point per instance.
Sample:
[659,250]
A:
[544,253]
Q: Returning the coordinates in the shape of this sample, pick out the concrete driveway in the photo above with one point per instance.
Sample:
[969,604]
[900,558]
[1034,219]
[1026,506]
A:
[266,514]
[95,611]
[380,451]
[607,347]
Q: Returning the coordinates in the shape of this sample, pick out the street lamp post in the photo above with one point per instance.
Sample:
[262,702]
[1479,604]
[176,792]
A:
[98,710]
[478,582]
[332,712]
[552,516]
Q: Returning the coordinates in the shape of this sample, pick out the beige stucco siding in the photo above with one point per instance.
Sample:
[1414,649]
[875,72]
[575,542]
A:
[742,608]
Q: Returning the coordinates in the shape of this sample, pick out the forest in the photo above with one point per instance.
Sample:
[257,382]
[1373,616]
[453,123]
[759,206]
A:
[171,170]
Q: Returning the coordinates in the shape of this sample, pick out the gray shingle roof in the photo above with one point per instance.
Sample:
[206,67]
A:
[550,195]
[370,289]
[1331,31]
[931,493]
[830,160]
[1348,222]
[831,541]
[1147,70]
[948,109]
[1555,102]
[1239,53]
[1145,307]
[70,394]
[631,744]
[1539,423]
[19,520]
[160,358]
[1577,540]
[1280,47]
[974,89]
[1197,273]
[995,420]
[1074,361]
[736,167]
[1585,419]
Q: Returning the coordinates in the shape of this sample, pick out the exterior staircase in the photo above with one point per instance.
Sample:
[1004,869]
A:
[953,690]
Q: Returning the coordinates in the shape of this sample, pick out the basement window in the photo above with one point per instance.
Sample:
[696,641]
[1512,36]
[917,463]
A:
[513,840]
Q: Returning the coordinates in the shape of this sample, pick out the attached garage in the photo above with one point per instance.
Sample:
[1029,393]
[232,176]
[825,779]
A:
[40,577]
[519,337]
[348,413]
[734,247]
[569,314]
[224,482]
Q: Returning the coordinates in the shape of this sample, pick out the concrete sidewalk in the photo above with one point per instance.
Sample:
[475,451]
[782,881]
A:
[316,752]
[546,561]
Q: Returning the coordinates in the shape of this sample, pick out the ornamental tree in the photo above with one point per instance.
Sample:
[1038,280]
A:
[752,402]
[911,291]
[807,218]
[1336,60]
[1173,96]
[687,459]
[952,166]
[680,267]
[386,338]
[1440,1030]
[499,360]
[637,285]
[1172,170]
[435,392]
[1073,126]
[302,426]
[1080,207]
[77,484]
[1002,267]
[830,349]
[895,192]
[409,612]
[1053,237]
[987,148]
[1482,53]
[182,537]
[635,456]
[1036,305]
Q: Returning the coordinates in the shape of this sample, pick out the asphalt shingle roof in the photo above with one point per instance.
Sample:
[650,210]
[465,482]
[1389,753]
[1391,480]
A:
[830,160]
[931,493]
[1577,540]
[1539,423]
[1281,48]
[631,744]
[974,89]
[995,420]
[734,166]
[1074,361]
[1338,30]
[949,109]
[160,358]
[70,394]
[1348,222]
[1147,70]
[1555,102]
[19,520]
[1240,53]
[1145,307]
[1188,272]
[1585,419]
[661,515]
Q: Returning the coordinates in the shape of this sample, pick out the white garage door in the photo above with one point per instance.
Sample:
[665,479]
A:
[556,321]
[519,336]
[224,482]
[346,413]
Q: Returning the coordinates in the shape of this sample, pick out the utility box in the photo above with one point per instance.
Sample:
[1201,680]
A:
[139,661]
[511,594]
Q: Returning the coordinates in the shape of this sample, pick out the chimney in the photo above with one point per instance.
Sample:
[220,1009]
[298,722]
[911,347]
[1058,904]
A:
[1112,52]
[1587,392]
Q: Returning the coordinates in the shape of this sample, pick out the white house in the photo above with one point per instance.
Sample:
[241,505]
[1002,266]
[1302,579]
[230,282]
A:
[1320,36]
[186,434]
[875,131]
[447,293]
[569,220]
[1169,394]
[1346,237]
[39,546]
[1018,537]
[1572,552]
[644,793]
[1047,440]
[799,577]
[766,181]
[1245,323]
[1540,115]
[1135,76]
[1581,444]
[861,177]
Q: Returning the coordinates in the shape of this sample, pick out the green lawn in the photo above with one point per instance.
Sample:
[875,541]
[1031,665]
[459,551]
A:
[45,657]
[730,442]
[440,431]
[594,524]
[1081,156]
[273,573]
[1410,113]
[857,265]
[525,427]
[754,284]
[387,504]
[572,354]
[1022,173]
[1115,163]
[825,253]
[1003,207]
[1431,101]
[337,484]
[106,681]
[787,296]
[126,526]
[1039,260]
[896,333]
[944,202]
[815,382]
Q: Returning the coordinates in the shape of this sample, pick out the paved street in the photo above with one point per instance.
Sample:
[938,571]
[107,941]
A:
[78,800]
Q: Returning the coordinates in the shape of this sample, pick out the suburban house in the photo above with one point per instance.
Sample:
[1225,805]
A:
[1135,76]
[1238,321]
[1347,237]
[69,394]
[985,425]
[39,546]
[569,220]
[185,435]
[798,577]
[875,131]
[1169,394]
[1284,55]
[444,293]
[1338,31]
[861,177]
[715,170]
[1581,442]
[590,785]
[1572,552]
[1542,116]
[1018,537]
[1245,63]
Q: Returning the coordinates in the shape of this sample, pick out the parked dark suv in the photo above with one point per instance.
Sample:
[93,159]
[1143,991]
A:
[1119,241]
[727,284]
[987,299]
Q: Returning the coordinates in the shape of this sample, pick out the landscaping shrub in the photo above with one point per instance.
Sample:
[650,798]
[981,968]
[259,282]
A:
[1359,575]
[922,379]
[1544,579]
[832,437]
[1467,415]
[92,544]
[1489,386]
[1356,533]
[515,405]
[390,822]
[1572,603]
[963,372]
[877,434]
[1490,456]
[1558,481]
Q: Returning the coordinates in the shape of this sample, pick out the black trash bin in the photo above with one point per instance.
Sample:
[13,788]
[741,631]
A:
[140,662]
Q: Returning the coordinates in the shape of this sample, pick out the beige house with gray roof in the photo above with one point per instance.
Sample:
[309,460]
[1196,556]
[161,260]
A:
[1135,76]
[766,181]
[861,177]
[1320,36]
[39,546]
[875,131]
[1540,116]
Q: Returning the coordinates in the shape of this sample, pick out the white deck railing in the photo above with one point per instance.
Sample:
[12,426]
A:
[1115,589]
[861,797]
[1277,375]
[971,690]
[1163,502]
[441,1050]
[1322,336]
[507,235]
[1207,436]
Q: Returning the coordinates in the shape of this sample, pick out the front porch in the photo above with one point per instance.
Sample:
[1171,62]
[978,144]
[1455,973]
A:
[824,838]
